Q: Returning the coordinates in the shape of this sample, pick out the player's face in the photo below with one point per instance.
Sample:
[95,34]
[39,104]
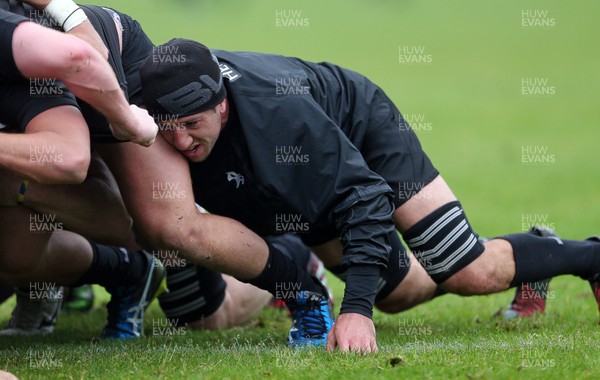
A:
[195,135]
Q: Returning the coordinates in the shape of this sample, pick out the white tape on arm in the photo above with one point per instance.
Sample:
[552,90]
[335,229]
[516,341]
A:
[66,13]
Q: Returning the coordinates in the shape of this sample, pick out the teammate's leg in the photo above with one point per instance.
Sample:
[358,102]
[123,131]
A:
[93,208]
[204,299]
[34,252]
[241,303]
[175,223]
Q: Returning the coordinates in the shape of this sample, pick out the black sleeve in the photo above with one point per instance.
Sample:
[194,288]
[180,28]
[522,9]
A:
[307,160]
[136,48]
[8,24]
[105,26]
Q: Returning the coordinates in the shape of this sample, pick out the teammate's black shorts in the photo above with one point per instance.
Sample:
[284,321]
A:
[22,101]
[8,24]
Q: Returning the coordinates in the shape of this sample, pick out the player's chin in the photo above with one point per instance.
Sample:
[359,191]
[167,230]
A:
[202,156]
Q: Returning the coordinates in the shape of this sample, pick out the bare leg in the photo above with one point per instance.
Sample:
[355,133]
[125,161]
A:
[489,273]
[242,302]
[93,209]
[27,255]
[416,288]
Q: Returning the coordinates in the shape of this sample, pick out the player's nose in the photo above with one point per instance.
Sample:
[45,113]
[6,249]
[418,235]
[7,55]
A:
[182,139]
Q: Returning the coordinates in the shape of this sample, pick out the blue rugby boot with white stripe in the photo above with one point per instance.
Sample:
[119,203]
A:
[128,303]
[312,315]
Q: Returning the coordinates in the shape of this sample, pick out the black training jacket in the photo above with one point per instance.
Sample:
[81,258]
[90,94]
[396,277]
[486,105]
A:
[285,153]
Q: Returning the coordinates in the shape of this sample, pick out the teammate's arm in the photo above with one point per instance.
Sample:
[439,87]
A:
[43,53]
[85,30]
[54,148]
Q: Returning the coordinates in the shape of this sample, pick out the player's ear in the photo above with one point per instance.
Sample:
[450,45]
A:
[223,110]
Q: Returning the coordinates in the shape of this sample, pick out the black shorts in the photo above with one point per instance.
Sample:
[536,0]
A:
[388,145]
[8,24]
[104,24]
[392,150]
[21,101]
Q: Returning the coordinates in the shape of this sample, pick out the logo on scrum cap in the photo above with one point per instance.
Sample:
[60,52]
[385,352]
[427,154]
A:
[193,97]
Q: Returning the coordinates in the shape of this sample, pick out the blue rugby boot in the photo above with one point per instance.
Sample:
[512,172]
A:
[312,315]
[128,303]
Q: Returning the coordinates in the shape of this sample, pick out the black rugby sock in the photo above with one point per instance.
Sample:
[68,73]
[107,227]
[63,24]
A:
[5,292]
[439,291]
[113,266]
[538,258]
[283,278]
[293,248]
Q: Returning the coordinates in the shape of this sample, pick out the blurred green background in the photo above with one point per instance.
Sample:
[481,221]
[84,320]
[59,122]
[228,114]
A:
[475,119]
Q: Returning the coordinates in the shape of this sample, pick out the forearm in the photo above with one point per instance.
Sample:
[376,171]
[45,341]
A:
[43,53]
[365,230]
[42,157]
[92,80]
[85,30]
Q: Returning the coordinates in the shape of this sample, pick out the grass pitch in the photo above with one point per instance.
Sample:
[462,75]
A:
[504,97]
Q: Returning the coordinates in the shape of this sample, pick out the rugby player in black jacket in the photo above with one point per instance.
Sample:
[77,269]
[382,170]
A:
[280,143]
